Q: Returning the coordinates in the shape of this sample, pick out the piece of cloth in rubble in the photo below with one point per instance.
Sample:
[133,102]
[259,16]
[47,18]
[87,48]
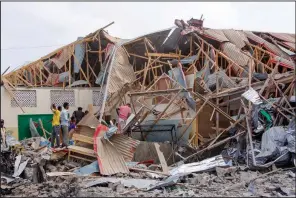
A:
[178,74]
[260,76]
[79,54]
[267,117]
[34,132]
[273,145]
[102,76]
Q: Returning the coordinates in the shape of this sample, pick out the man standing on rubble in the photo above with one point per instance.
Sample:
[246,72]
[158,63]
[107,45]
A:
[65,124]
[55,135]
[78,115]
[123,113]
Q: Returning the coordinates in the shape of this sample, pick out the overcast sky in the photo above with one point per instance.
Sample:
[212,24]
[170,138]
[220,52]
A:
[27,25]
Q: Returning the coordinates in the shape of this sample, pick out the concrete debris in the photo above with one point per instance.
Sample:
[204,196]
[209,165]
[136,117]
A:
[204,165]
[137,183]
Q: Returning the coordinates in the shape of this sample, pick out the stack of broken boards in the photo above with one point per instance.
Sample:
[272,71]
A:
[111,154]
[83,139]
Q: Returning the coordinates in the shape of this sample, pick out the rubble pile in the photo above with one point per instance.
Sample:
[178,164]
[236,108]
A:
[221,182]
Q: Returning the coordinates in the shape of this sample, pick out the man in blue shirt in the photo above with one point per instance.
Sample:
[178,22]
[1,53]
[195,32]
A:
[65,124]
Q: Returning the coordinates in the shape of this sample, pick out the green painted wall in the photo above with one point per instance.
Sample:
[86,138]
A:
[24,124]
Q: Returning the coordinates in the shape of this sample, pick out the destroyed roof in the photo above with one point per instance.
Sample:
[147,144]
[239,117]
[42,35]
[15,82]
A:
[164,41]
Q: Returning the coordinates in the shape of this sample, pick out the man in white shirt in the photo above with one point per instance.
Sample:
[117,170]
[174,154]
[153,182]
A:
[65,124]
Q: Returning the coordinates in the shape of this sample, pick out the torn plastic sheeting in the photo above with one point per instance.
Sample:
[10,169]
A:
[253,96]
[11,141]
[206,72]
[103,74]
[269,103]
[273,145]
[204,165]
[64,77]
[178,74]
[17,163]
[260,76]
[88,169]
[79,54]
[33,129]
[21,168]
[111,131]
[137,183]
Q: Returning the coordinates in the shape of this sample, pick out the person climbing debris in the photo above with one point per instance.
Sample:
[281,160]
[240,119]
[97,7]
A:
[123,113]
[78,114]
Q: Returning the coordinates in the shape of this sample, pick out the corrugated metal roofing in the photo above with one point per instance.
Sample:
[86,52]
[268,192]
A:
[284,37]
[269,46]
[235,54]
[110,159]
[290,53]
[236,38]
[291,45]
[276,50]
[254,37]
[121,72]
[285,63]
[215,34]
[125,145]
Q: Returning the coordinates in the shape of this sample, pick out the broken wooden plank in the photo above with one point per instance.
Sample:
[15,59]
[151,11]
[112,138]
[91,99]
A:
[147,170]
[53,174]
[162,55]
[161,158]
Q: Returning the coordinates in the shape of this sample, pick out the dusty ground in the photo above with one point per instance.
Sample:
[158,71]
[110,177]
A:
[232,182]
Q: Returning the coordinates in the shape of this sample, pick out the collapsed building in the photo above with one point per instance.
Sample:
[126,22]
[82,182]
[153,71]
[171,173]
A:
[189,85]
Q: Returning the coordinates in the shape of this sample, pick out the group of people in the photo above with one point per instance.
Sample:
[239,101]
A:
[61,121]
